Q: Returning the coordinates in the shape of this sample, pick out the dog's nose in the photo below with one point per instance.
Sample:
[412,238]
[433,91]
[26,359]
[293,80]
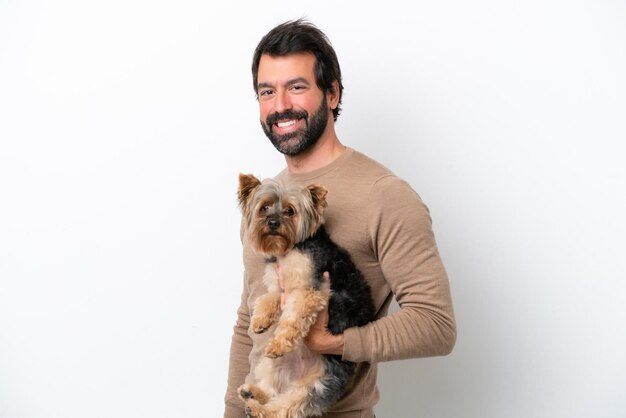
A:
[273,224]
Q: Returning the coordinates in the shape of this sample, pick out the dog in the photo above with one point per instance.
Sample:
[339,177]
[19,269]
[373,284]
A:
[285,224]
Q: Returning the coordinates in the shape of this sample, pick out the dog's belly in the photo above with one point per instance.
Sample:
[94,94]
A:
[300,363]
[280,374]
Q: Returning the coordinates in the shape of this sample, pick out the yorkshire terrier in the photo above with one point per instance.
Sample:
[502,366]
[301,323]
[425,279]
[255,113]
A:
[285,224]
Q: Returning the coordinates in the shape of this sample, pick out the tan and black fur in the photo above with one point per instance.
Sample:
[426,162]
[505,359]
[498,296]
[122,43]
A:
[285,224]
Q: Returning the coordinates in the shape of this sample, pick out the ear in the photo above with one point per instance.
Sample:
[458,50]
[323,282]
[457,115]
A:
[318,196]
[247,184]
[333,95]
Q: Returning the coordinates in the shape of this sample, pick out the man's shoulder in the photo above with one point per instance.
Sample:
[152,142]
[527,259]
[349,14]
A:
[354,170]
[383,183]
[362,162]
[368,172]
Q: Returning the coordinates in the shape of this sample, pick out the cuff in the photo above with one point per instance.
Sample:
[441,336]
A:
[354,347]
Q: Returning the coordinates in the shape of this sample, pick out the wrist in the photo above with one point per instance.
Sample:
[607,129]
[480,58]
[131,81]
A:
[339,342]
[333,344]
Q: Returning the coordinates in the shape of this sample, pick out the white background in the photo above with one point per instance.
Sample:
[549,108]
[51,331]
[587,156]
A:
[123,125]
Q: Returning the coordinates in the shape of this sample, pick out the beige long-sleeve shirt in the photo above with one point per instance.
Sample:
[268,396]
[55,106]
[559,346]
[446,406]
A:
[387,230]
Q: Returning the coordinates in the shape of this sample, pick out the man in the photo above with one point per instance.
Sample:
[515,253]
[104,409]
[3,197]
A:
[372,213]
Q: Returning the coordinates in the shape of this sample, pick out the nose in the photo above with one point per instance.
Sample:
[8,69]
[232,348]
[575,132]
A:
[282,102]
[273,224]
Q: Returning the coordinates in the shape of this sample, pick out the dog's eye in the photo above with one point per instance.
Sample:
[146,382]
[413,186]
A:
[265,208]
[289,212]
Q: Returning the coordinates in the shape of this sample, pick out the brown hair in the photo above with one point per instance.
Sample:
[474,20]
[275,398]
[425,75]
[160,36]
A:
[302,36]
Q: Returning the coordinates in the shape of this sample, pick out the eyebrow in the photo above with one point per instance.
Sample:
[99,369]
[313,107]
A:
[288,83]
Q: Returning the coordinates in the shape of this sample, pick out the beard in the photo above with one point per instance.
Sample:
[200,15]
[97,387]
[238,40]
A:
[303,139]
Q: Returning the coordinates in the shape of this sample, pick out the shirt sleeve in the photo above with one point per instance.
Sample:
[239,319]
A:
[401,236]
[239,364]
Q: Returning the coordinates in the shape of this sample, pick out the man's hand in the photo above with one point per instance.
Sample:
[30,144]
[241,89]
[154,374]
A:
[319,340]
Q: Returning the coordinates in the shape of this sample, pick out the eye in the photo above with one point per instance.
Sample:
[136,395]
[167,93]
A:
[298,87]
[289,211]
[265,93]
[264,208]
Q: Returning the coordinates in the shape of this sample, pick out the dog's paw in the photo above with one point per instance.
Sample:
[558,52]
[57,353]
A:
[272,354]
[256,410]
[259,326]
[248,392]
[273,350]
[244,392]
[259,329]
[249,412]
[276,348]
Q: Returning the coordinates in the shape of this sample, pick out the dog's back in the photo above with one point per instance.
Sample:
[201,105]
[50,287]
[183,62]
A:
[350,305]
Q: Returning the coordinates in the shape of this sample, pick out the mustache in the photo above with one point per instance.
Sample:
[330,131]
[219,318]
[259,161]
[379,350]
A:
[286,115]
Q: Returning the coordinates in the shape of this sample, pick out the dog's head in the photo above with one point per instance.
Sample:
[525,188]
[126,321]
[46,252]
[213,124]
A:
[277,217]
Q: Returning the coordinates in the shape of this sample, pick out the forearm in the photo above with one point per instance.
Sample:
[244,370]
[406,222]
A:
[424,326]
[417,330]
[238,369]
[408,333]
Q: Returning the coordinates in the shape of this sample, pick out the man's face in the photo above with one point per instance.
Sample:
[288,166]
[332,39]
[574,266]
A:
[294,111]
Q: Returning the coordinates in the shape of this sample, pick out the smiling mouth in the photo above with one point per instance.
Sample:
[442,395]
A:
[286,124]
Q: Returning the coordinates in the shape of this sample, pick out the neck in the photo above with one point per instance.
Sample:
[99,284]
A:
[325,151]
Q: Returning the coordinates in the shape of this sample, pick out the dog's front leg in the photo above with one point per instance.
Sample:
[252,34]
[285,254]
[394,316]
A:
[267,306]
[298,316]
[266,312]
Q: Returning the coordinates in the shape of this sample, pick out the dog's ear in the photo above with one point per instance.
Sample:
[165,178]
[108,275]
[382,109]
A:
[318,196]
[247,184]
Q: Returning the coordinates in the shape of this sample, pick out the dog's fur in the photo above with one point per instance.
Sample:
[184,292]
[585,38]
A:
[286,226]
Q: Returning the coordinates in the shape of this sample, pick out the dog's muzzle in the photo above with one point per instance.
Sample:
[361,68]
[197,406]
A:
[273,224]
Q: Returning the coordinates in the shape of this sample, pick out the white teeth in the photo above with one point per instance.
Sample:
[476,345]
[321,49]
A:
[285,124]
